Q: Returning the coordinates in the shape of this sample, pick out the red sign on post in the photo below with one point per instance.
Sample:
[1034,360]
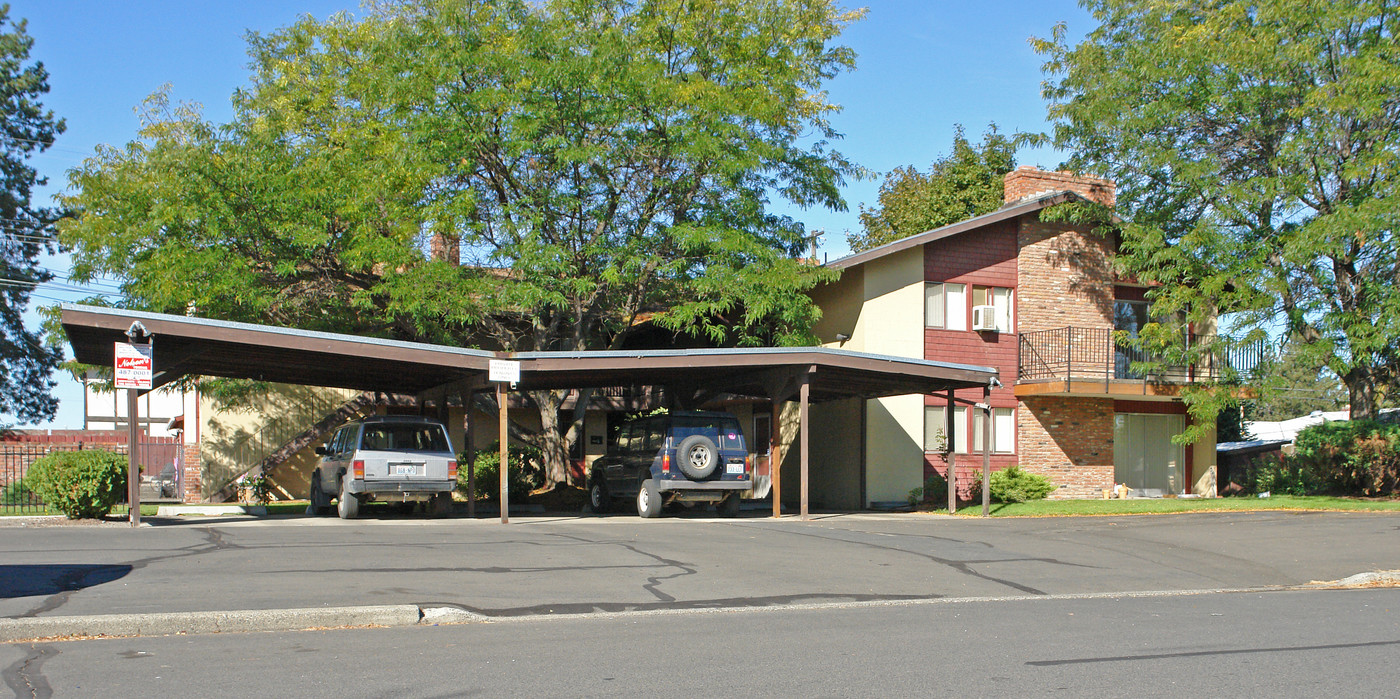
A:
[133,367]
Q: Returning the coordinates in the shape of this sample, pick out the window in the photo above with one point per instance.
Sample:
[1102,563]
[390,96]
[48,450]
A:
[945,306]
[934,428]
[998,298]
[1003,431]
[935,425]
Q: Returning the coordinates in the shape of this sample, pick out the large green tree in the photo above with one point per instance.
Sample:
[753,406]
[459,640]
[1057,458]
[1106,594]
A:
[26,128]
[966,182]
[588,162]
[1255,145]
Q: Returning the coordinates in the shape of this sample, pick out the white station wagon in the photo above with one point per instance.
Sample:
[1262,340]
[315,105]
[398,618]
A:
[390,459]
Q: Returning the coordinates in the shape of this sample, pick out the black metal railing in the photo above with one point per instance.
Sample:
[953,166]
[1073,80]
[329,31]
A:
[1079,354]
[160,461]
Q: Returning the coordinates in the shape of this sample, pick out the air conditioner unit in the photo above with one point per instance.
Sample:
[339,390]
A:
[984,318]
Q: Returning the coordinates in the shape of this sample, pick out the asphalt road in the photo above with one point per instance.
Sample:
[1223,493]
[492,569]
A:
[1274,644]
[587,564]
[846,605]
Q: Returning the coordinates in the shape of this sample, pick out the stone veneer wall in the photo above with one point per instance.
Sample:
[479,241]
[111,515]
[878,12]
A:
[1070,441]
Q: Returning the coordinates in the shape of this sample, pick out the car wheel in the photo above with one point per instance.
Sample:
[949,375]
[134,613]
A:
[698,456]
[728,507]
[320,504]
[648,499]
[440,505]
[349,505]
[598,497]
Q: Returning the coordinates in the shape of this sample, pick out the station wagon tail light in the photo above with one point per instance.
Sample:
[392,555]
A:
[357,467]
[452,470]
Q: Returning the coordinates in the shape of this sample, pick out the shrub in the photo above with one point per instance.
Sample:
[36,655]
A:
[526,471]
[1357,457]
[1014,485]
[974,490]
[80,484]
[933,491]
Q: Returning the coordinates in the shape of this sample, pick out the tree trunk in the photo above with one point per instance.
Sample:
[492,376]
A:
[1361,390]
[553,443]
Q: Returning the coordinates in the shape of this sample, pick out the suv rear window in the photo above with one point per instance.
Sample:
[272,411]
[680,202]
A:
[728,429]
[404,437]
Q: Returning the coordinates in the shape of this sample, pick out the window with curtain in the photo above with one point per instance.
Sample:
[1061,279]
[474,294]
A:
[945,306]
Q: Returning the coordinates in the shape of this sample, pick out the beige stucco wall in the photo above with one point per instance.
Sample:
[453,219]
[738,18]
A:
[880,304]
[836,452]
[841,303]
[231,440]
[892,322]
[894,448]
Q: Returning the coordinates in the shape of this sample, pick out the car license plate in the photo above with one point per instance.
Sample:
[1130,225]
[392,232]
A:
[408,469]
[734,468]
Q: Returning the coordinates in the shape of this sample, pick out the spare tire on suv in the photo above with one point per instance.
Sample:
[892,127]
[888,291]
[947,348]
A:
[698,456]
[681,457]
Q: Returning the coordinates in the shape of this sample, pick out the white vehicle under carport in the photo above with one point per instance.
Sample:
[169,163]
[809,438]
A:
[389,459]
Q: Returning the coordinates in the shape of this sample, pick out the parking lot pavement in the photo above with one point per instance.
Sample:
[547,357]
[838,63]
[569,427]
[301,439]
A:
[561,565]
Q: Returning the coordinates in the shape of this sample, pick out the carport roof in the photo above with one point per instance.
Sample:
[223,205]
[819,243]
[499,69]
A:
[200,346]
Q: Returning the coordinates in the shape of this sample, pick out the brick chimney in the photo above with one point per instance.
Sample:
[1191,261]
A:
[1028,182]
[442,247]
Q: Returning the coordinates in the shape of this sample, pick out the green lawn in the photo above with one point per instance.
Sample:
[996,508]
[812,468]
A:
[1131,506]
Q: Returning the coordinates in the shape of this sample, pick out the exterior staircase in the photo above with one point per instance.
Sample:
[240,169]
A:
[354,408]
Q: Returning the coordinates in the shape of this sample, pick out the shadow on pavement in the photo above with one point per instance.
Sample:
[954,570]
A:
[44,580]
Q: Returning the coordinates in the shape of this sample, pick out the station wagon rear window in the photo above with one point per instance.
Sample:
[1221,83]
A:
[404,437]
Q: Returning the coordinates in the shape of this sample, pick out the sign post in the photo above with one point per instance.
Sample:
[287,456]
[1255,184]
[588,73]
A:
[133,373]
[504,372]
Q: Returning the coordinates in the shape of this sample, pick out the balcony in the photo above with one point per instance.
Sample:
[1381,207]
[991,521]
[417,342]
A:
[1090,361]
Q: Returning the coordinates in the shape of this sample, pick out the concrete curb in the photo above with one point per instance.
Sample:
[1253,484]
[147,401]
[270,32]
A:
[166,623]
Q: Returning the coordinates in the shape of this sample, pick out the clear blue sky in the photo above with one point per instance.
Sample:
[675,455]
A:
[924,65]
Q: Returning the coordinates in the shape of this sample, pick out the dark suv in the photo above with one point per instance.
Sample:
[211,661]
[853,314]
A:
[681,457]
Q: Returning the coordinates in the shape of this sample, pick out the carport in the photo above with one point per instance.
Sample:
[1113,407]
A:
[198,346]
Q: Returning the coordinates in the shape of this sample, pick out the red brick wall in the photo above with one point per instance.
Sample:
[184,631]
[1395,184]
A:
[1029,181]
[87,437]
[193,477]
[1068,440]
[1064,278]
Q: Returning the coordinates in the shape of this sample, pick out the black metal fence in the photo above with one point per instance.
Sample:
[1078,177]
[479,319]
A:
[160,467]
[1096,354]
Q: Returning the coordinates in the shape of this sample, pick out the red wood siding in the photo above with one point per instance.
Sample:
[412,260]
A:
[985,257]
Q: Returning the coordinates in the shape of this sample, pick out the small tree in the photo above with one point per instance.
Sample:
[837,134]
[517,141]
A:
[965,183]
[80,484]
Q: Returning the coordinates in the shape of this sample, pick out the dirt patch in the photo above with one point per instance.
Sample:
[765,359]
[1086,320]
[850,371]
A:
[1380,578]
[561,498]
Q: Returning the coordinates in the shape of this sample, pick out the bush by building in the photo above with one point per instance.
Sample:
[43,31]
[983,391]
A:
[1014,485]
[80,484]
[526,472]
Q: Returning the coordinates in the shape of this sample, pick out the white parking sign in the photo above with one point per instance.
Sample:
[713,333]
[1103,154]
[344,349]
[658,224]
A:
[133,367]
